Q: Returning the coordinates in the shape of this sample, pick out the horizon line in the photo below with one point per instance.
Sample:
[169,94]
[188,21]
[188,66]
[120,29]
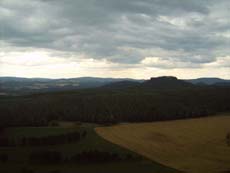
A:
[112,77]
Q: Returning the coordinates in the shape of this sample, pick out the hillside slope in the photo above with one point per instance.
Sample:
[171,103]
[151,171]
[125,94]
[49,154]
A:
[195,145]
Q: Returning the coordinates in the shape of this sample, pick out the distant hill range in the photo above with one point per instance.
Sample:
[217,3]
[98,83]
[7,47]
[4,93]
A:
[168,82]
[164,82]
[122,84]
[18,86]
[210,81]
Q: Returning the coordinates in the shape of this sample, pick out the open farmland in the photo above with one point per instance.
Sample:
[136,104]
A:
[83,154]
[194,145]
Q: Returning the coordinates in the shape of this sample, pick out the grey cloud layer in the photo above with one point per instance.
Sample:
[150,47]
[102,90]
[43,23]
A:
[123,31]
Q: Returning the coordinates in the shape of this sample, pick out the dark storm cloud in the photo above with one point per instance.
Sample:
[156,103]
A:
[123,31]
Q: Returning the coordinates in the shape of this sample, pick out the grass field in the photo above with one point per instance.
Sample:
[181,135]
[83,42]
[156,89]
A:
[194,145]
[18,156]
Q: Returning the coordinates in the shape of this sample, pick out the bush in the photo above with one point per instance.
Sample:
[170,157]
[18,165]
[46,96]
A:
[95,156]
[129,157]
[52,157]
[228,139]
[4,142]
[54,123]
[48,140]
[84,133]
[78,123]
[55,171]
[3,157]
[26,170]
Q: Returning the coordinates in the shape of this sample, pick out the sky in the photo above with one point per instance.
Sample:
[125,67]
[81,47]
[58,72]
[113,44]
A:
[115,38]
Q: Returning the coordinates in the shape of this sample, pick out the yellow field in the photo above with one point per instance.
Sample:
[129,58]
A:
[195,145]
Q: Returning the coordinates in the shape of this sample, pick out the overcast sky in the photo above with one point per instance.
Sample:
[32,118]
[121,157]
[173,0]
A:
[115,38]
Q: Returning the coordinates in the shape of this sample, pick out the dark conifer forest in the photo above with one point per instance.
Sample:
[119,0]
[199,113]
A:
[157,99]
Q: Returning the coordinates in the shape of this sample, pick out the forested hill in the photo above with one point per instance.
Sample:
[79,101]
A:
[157,99]
[166,82]
[15,86]
[160,83]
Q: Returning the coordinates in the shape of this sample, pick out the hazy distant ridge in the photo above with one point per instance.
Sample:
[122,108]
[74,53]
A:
[17,85]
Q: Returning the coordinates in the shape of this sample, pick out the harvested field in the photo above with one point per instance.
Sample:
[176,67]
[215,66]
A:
[194,145]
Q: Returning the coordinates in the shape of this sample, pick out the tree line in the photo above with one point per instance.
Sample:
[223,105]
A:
[112,106]
[40,141]
[84,157]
